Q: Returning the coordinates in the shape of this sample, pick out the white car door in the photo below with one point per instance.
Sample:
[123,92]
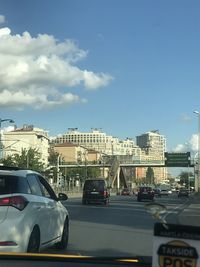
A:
[56,211]
[39,208]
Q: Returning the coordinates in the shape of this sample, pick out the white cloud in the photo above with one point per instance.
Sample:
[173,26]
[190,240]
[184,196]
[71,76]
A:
[34,69]
[180,148]
[2,19]
[93,81]
[194,142]
[20,99]
[4,32]
[7,129]
[191,145]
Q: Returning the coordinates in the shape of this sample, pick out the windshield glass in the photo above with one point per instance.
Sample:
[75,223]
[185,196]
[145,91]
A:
[99,102]
[13,184]
[94,185]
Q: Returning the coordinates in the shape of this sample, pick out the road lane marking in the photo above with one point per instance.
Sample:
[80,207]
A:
[178,208]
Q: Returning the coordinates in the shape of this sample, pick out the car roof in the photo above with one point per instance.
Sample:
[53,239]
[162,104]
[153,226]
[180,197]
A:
[15,171]
[99,179]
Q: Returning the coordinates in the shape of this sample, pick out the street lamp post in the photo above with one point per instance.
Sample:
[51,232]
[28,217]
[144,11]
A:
[86,171]
[1,145]
[198,162]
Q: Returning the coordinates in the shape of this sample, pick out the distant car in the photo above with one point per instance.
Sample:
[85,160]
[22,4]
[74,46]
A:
[96,191]
[157,192]
[145,192]
[183,193]
[32,217]
[125,192]
[164,192]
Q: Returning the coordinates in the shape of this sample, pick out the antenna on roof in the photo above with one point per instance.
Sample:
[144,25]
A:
[96,129]
[72,129]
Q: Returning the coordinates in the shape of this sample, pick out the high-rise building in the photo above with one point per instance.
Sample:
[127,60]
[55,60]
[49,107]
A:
[152,142]
[153,146]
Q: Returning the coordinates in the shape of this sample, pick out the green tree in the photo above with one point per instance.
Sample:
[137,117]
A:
[150,176]
[52,161]
[184,178]
[53,157]
[83,173]
[28,159]
[8,161]
[93,172]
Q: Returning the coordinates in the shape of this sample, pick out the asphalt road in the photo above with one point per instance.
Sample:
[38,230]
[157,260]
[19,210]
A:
[123,228]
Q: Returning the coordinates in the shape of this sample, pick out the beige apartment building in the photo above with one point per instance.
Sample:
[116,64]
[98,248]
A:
[99,141]
[149,147]
[153,146]
[71,153]
[25,138]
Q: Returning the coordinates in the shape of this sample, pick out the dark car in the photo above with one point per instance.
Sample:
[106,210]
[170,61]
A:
[157,192]
[95,190]
[125,192]
[164,192]
[183,193]
[145,193]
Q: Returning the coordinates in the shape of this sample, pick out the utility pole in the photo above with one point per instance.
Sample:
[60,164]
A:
[85,165]
[198,162]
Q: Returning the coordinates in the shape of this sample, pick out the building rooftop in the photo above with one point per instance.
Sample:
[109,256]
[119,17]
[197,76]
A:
[66,144]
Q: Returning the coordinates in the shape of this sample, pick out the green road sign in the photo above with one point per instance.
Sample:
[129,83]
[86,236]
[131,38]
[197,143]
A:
[191,178]
[177,159]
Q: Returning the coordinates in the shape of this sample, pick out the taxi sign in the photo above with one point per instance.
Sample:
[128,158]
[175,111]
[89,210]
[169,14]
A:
[176,246]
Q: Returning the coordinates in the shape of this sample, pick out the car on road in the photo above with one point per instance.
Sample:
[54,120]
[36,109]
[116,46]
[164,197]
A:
[164,192]
[157,192]
[145,193]
[125,192]
[183,192]
[32,217]
[95,191]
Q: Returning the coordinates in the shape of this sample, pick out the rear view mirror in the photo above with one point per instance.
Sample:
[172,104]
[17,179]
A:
[62,196]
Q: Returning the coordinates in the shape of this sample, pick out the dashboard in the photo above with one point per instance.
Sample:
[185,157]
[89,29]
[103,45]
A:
[46,260]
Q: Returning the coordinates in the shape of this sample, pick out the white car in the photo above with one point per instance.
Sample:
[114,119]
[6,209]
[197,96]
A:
[31,215]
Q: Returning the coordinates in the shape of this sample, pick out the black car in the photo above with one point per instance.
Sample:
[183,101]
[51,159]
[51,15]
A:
[145,192]
[95,190]
[183,193]
[157,192]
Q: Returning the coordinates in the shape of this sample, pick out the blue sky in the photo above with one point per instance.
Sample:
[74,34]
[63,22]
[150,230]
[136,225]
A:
[133,66]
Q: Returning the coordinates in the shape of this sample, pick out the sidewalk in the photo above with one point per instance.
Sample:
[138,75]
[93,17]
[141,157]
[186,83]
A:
[191,214]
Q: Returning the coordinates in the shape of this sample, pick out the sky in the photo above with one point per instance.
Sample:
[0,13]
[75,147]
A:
[125,66]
